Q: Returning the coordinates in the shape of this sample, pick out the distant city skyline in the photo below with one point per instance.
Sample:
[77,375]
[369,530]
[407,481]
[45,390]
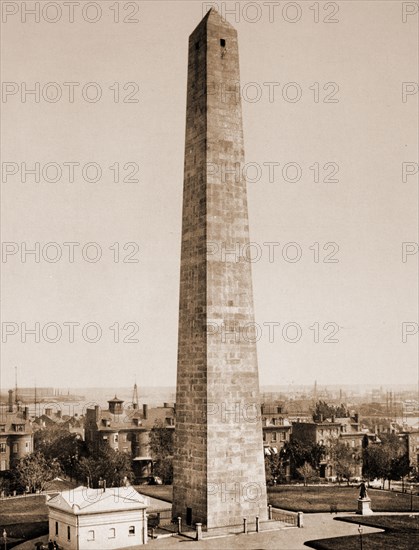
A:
[330,128]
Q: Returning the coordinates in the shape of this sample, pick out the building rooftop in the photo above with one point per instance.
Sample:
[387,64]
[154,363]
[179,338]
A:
[84,500]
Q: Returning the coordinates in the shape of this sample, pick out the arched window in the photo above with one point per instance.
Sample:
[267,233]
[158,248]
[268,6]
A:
[112,533]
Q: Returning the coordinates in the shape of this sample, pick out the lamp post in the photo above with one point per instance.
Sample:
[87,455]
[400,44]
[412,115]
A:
[411,498]
[360,535]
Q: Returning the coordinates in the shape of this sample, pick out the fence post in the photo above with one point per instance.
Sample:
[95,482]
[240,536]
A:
[199,531]
[179,525]
[300,519]
[244,525]
[257,524]
[270,511]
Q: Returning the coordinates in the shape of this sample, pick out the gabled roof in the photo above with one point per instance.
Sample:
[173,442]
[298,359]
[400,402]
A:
[84,500]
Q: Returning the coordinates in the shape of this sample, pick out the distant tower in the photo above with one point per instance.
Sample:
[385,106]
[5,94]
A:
[219,475]
[135,397]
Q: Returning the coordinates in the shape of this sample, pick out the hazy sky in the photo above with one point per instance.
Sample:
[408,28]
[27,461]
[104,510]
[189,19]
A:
[335,99]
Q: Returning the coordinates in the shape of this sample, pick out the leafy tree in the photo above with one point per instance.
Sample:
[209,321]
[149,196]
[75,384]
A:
[275,467]
[109,465]
[385,460]
[344,460]
[400,467]
[374,462]
[298,453]
[161,447]
[57,443]
[307,472]
[34,471]
[324,410]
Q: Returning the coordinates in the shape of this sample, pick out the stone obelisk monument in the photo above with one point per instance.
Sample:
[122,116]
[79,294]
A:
[219,476]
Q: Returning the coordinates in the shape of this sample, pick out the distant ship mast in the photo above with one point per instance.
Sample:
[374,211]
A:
[16,397]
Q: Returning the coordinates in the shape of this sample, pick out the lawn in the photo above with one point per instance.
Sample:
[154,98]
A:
[24,518]
[334,498]
[321,498]
[401,533]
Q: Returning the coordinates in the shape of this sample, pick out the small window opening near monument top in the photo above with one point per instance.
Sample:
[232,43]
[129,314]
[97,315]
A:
[222,42]
[196,45]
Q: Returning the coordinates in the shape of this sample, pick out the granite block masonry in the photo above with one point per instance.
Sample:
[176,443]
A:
[219,475]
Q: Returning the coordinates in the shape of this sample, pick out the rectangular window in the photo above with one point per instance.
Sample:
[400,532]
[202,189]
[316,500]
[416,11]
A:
[56,528]
[2,447]
[131,530]
[90,535]
[15,447]
[112,533]
[273,436]
[116,438]
[68,533]
[2,427]
[222,42]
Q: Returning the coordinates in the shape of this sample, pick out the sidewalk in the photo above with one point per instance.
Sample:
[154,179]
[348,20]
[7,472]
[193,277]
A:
[316,526]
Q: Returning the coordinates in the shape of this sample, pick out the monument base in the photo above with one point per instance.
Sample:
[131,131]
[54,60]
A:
[364,508]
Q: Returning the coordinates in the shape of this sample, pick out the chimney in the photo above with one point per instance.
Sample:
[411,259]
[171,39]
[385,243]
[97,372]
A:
[97,412]
[10,401]
[320,417]
[333,418]
[145,411]
[26,413]
[48,412]
[166,405]
[135,406]
[356,417]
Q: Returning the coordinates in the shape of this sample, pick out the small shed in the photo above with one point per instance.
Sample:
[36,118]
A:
[98,519]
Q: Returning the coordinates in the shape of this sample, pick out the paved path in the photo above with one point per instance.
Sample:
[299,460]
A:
[316,526]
